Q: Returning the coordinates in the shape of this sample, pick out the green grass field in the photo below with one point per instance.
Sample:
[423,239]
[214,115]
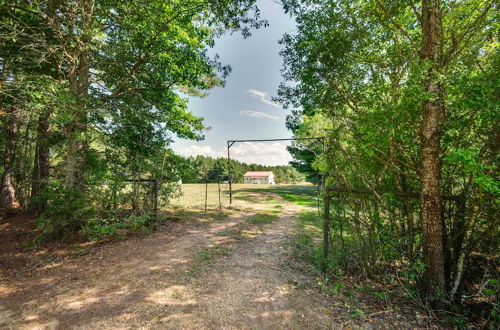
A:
[193,195]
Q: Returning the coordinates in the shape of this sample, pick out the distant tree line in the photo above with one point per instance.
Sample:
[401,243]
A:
[197,169]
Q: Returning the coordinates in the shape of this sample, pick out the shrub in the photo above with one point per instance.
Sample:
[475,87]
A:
[97,229]
[65,211]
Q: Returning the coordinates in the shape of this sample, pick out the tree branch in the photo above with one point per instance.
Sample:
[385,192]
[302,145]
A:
[145,54]
[397,25]
[460,43]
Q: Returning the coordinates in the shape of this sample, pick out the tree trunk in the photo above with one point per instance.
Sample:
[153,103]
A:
[75,157]
[463,249]
[431,131]
[408,215]
[8,196]
[79,85]
[41,165]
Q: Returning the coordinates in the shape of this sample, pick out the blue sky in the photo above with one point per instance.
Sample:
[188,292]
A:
[243,108]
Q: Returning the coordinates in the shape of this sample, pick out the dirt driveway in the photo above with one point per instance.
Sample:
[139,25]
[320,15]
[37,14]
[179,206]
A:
[227,274]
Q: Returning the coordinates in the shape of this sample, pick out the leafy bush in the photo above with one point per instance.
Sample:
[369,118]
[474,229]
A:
[65,211]
[68,211]
[97,229]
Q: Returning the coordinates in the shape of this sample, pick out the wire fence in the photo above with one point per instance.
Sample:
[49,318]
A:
[215,196]
[129,195]
[209,196]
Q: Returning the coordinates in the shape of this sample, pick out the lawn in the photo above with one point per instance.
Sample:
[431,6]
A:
[193,195]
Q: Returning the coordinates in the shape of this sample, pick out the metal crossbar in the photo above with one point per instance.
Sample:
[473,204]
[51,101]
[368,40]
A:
[231,142]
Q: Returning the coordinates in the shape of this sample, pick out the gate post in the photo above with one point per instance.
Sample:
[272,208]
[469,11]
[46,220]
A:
[218,186]
[229,144]
[326,229]
[206,191]
[155,199]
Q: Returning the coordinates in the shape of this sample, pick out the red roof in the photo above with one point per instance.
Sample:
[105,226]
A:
[259,173]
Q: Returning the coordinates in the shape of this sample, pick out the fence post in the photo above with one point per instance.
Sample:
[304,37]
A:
[155,199]
[326,229]
[218,186]
[319,190]
[229,173]
[155,196]
[206,191]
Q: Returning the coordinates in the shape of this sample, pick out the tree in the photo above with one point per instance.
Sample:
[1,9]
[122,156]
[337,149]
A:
[433,116]
[92,92]
[379,72]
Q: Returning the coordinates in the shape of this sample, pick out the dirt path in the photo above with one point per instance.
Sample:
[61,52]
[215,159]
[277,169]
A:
[103,286]
[206,278]
[255,289]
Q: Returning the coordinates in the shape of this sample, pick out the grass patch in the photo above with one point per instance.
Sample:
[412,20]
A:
[242,231]
[310,218]
[208,254]
[306,243]
[305,195]
[193,195]
[249,234]
[180,214]
[310,224]
[303,200]
[263,218]
[207,257]
[271,199]
[244,197]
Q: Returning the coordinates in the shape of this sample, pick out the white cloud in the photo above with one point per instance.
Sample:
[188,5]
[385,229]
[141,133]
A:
[263,97]
[257,114]
[194,150]
[261,153]
[247,152]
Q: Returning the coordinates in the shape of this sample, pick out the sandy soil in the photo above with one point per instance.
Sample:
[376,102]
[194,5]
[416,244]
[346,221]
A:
[169,280]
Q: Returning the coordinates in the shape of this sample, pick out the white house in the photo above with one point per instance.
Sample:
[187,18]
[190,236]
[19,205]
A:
[259,177]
